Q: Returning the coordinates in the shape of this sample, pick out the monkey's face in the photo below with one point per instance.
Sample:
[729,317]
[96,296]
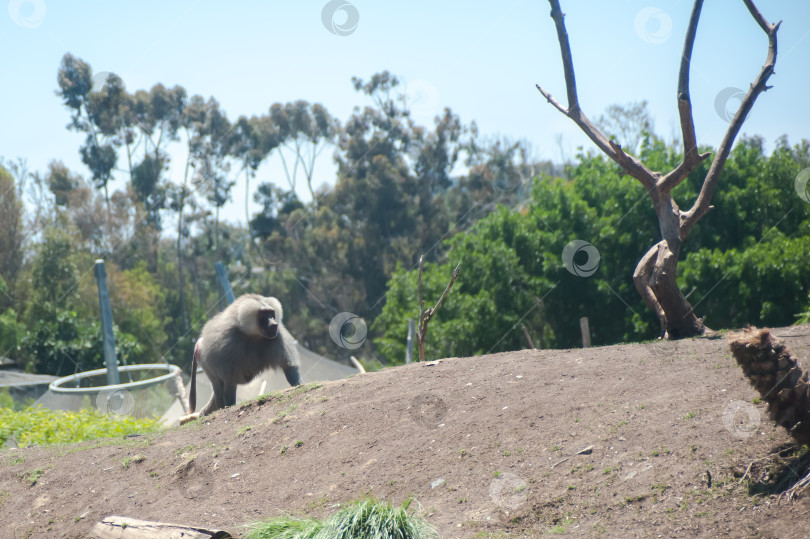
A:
[268,324]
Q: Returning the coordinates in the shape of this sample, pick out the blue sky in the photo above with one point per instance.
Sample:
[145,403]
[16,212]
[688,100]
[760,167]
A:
[480,59]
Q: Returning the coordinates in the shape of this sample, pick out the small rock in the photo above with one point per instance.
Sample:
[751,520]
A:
[237,474]
[586,451]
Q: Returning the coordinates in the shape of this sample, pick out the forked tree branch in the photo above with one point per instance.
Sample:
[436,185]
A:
[630,164]
[691,157]
[703,202]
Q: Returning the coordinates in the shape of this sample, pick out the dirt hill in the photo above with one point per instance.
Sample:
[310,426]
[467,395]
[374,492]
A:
[635,440]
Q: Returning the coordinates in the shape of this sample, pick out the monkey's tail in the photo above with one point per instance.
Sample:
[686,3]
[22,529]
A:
[192,392]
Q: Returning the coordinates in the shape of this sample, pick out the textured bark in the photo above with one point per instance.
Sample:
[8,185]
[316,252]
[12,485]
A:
[778,378]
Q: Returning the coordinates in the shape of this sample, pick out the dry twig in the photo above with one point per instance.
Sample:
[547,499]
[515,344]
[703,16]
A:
[426,315]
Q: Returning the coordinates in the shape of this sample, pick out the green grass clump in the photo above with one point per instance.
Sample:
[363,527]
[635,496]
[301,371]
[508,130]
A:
[40,426]
[367,519]
[286,528]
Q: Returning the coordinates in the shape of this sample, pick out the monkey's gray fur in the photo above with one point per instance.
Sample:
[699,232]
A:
[238,344]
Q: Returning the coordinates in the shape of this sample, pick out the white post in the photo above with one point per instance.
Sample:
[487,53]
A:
[586,332]
[409,349]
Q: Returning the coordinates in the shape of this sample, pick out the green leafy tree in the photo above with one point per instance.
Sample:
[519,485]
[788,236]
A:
[61,182]
[511,259]
[64,344]
[11,238]
[10,328]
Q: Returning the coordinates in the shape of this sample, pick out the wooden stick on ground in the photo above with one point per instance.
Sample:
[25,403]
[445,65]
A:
[115,527]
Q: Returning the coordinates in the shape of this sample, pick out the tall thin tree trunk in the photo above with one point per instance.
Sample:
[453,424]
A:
[180,277]
[107,199]
[109,213]
[216,232]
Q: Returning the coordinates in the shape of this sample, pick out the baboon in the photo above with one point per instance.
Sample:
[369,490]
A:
[236,345]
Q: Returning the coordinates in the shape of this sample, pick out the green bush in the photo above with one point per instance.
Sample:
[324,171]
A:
[40,426]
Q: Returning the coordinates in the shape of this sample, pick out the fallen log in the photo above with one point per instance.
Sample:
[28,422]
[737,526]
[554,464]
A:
[778,378]
[115,527]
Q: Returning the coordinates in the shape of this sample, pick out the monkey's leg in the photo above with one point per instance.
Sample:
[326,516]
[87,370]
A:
[213,404]
[216,401]
[293,376]
[207,409]
[229,395]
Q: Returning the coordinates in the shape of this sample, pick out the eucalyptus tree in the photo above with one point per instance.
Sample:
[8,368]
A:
[97,108]
[304,129]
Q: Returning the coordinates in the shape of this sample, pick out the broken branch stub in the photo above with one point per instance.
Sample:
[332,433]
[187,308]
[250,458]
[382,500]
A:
[426,315]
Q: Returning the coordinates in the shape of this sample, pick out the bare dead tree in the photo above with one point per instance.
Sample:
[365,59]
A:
[426,315]
[527,337]
[654,276]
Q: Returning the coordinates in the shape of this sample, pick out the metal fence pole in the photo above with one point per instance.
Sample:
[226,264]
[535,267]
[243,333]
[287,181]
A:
[106,324]
[224,285]
[409,349]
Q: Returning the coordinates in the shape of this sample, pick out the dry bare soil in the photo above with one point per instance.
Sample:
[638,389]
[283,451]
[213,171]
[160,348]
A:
[487,445]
